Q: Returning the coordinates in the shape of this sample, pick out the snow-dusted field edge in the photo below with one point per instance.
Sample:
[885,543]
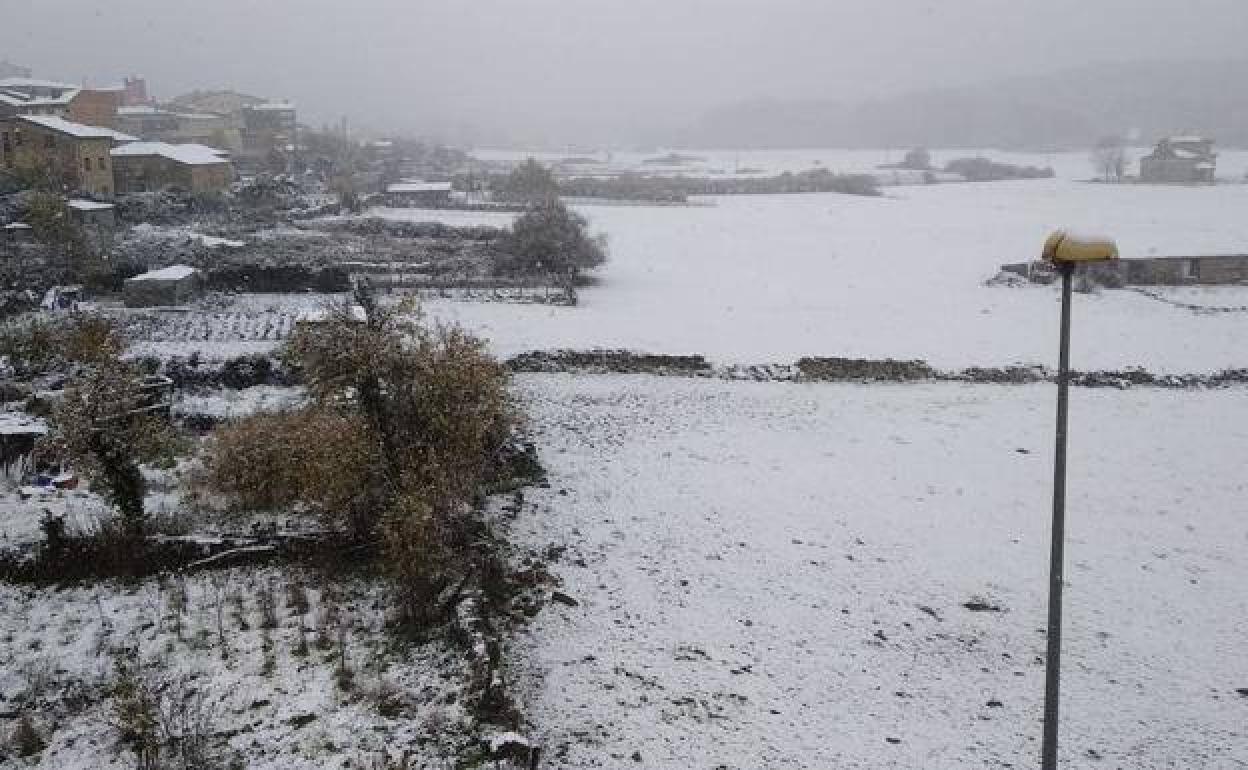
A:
[774,575]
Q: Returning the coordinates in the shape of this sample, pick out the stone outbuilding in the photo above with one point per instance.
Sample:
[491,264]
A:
[154,166]
[168,286]
[88,213]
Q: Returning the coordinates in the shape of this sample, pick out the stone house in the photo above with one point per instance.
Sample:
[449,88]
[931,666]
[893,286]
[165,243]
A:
[152,166]
[80,154]
[1180,160]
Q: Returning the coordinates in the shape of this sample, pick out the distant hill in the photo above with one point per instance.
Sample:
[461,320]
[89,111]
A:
[1067,109]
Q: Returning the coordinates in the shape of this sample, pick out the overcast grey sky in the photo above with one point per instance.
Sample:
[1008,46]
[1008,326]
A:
[591,68]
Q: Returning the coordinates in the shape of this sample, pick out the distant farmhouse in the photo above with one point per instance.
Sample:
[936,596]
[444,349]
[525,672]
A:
[403,194]
[1180,160]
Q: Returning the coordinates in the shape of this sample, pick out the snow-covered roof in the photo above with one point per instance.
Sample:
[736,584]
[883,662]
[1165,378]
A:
[17,226]
[272,106]
[141,109]
[188,154]
[171,273]
[20,423]
[77,130]
[15,98]
[86,205]
[1189,139]
[411,187]
[35,83]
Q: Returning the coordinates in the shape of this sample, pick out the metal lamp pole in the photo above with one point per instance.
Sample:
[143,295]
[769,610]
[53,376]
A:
[1064,252]
[1053,658]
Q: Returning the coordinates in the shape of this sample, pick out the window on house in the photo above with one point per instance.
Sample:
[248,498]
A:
[86,164]
[49,141]
[1191,269]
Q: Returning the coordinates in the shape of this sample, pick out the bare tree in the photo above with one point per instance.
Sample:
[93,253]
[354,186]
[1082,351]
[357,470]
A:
[1109,158]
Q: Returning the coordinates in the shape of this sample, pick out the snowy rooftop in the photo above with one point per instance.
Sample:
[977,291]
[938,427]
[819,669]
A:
[1188,139]
[409,187]
[35,83]
[77,130]
[19,99]
[189,154]
[20,423]
[141,109]
[86,205]
[18,226]
[272,106]
[171,273]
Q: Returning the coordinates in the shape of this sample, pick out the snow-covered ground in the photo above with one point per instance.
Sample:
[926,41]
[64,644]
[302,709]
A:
[773,278]
[774,575]
[266,683]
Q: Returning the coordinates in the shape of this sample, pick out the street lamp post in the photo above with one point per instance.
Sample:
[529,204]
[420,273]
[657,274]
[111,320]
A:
[1065,252]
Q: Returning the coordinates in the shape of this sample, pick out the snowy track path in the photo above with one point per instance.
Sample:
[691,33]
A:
[774,575]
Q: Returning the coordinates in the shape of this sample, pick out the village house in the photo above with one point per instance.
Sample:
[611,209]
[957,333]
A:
[89,106]
[269,127]
[134,92]
[78,153]
[1180,160]
[152,166]
[147,122]
[162,125]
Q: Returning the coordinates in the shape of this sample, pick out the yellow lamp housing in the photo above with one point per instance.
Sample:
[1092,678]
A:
[1062,246]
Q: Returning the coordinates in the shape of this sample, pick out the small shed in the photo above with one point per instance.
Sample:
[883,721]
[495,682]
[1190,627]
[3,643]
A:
[418,194]
[173,285]
[93,214]
[17,232]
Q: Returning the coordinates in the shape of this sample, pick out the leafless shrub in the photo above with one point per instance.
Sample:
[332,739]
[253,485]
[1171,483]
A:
[267,600]
[297,598]
[167,723]
[405,426]
[26,740]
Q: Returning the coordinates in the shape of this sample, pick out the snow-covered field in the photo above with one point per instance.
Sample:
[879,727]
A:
[774,575]
[773,278]
[1232,164]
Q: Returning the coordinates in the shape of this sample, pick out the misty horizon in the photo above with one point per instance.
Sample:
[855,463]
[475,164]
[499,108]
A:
[542,74]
